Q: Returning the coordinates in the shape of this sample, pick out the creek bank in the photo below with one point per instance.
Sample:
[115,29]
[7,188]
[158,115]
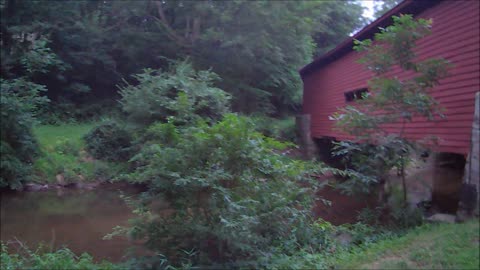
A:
[38,187]
[33,187]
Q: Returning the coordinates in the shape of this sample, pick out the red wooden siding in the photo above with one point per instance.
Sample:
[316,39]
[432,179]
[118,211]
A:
[455,37]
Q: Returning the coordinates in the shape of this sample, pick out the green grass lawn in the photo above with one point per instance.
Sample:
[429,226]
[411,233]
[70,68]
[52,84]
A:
[437,246]
[62,153]
[48,136]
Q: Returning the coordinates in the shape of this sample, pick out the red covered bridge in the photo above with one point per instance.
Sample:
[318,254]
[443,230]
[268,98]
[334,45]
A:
[331,80]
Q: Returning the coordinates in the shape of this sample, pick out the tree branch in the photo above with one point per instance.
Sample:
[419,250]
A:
[170,31]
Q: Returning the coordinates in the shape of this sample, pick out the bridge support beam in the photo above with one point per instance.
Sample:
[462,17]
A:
[304,135]
[469,194]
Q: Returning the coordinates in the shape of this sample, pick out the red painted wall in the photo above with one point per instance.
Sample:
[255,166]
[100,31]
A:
[455,37]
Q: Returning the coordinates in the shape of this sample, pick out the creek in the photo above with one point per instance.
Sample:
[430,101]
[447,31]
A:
[77,219]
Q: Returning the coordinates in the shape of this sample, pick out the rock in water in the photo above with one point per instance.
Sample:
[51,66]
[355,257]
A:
[61,180]
[33,187]
[445,218]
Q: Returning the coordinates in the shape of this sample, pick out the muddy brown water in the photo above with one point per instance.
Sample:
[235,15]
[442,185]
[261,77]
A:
[341,208]
[77,219]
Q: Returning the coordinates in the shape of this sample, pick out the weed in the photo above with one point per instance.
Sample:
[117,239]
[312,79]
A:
[62,153]
[40,259]
[437,246]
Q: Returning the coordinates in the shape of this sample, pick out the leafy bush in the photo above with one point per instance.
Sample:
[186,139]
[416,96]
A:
[70,165]
[402,217]
[303,259]
[106,170]
[60,259]
[369,164]
[181,94]
[230,197]
[336,242]
[67,156]
[62,152]
[14,171]
[109,141]
[65,112]
[20,99]
[66,146]
[281,129]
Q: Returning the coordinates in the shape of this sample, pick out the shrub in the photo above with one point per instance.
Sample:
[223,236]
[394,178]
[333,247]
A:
[233,198]
[181,94]
[63,153]
[369,164]
[60,259]
[105,170]
[164,133]
[70,165]
[67,146]
[15,171]
[65,112]
[281,129]
[20,99]
[109,141]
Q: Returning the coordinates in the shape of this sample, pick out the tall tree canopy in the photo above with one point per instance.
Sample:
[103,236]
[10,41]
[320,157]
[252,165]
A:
[382,6]
[256,47]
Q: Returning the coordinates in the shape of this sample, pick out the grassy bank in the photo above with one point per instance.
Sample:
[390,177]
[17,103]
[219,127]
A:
[49,136]
[41,259]
[432,246]
[63,155]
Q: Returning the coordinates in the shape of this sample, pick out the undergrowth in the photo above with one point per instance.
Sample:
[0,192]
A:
[62,153]
[40,258]
[431,246]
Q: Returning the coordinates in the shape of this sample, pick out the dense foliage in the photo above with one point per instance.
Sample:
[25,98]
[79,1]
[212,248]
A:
[39,259]
[228,196]
[256,47]
[20,100]
[109,141]
[378,120]
[180,95]
[63,160]
[220,191]
[217,188]
[282,129]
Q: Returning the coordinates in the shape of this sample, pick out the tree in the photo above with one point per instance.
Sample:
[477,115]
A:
[180,95]
[20,100]
[256,47]
[378,147]
[334,22]
[26,58]
[383,6]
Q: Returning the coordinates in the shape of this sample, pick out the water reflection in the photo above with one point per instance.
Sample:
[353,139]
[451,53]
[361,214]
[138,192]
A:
[77,219]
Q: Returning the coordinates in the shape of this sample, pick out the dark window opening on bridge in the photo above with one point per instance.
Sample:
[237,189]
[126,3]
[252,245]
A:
[355,94]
